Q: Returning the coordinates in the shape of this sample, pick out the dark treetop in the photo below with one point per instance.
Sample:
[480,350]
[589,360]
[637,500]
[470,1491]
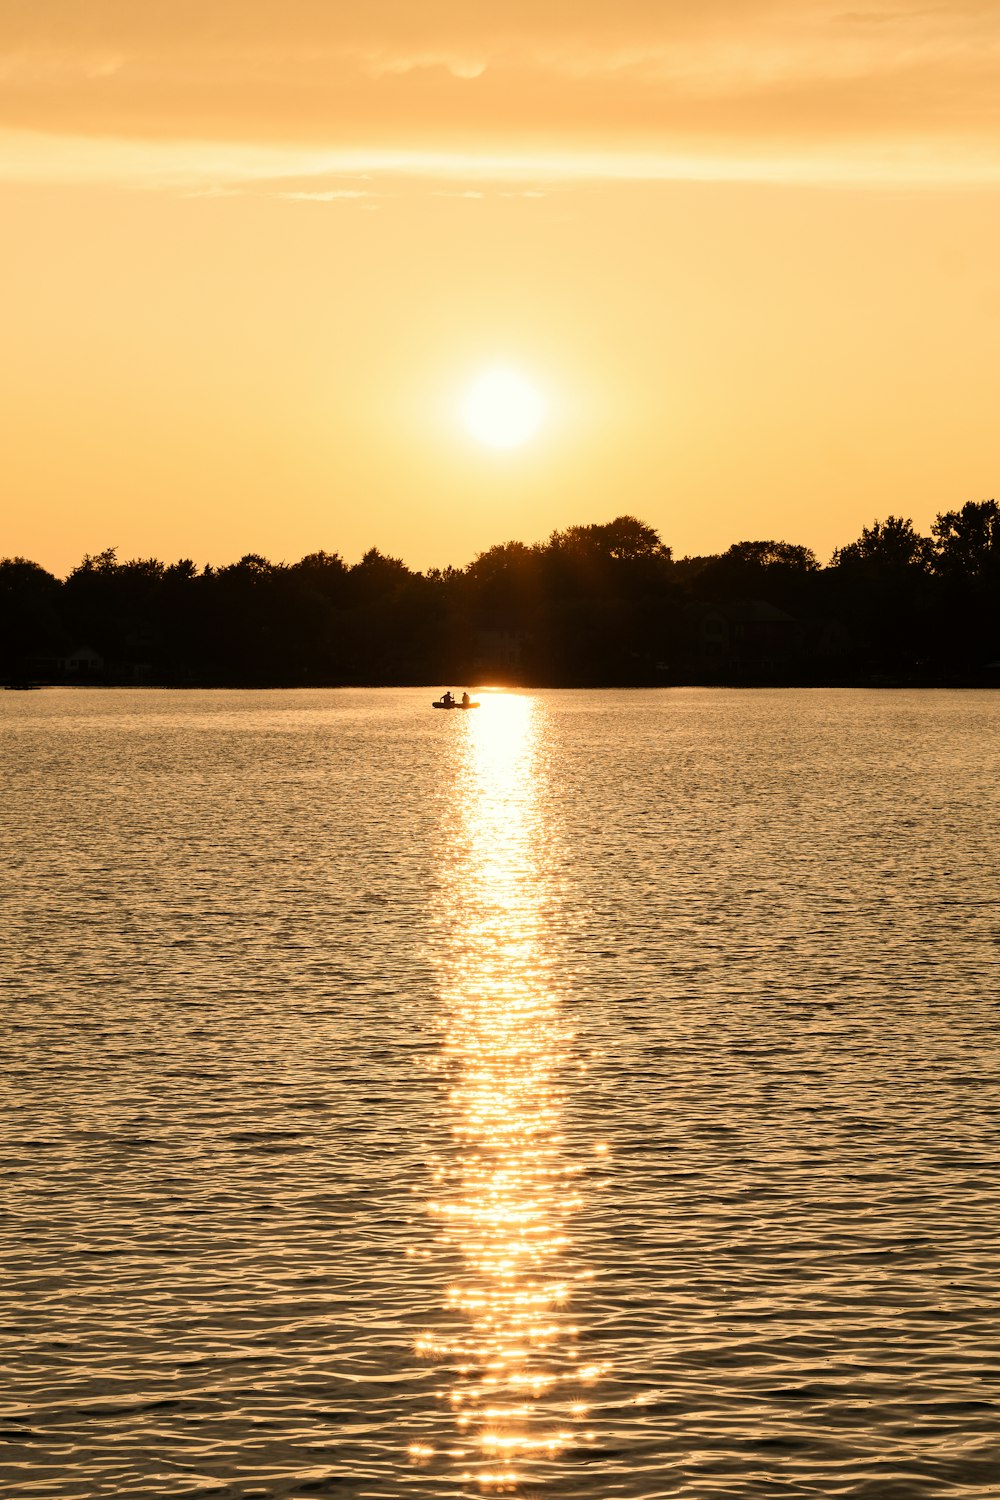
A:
[593,605]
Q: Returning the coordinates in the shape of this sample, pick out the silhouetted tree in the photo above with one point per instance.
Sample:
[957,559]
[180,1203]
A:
[778,573]
[966,561]
[597,603]
[110,605]
[882,584]
[886,549]
[505,584]
[967,543]
[30,617]
[323,572]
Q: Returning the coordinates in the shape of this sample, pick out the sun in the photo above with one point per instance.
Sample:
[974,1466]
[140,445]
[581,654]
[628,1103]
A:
[502,409]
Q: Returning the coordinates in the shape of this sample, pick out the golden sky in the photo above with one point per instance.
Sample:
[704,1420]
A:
[253,254]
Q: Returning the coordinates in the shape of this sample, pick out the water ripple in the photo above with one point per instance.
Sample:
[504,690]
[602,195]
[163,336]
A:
[680,1007]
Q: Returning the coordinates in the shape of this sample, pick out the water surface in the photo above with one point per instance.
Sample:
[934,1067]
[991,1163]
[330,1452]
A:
[593,1095]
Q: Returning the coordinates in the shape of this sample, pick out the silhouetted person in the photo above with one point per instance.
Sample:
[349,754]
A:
[465,700]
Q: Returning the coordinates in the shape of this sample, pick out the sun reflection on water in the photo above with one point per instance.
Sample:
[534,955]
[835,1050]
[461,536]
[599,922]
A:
[507,1193]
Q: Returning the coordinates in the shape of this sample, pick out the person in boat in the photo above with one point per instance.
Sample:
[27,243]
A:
[466,700]
[447,698]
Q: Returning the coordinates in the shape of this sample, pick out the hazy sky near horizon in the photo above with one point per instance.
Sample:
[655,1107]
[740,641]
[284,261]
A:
[254,254]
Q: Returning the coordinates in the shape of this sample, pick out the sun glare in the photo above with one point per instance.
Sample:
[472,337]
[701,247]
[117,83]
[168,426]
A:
[502,409]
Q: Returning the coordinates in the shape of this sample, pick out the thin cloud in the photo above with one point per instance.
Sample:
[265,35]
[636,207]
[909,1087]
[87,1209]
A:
[383,65]
[210,169]
[300,196]
[770,87]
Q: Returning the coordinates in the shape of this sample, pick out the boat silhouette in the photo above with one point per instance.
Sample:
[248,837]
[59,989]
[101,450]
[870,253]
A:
[449,702]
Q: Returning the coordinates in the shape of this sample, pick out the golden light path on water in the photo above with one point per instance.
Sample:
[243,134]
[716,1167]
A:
[508,1191]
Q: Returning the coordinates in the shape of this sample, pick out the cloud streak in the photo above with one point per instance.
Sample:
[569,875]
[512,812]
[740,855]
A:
[770,89]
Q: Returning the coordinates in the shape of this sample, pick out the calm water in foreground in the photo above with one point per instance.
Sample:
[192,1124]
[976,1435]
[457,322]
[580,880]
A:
[594,1095]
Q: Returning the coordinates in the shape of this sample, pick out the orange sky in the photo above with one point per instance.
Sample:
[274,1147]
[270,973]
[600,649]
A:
[253,255]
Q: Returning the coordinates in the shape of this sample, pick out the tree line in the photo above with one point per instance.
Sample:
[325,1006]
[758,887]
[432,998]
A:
[598,604]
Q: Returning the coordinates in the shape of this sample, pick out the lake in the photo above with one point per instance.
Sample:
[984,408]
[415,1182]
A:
[592,1095]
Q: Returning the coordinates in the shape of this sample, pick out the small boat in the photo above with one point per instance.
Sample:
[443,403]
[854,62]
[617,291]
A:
[453,703]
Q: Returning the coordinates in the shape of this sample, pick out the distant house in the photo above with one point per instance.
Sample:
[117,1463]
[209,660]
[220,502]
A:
[761,636]
[707,632]
[80,664]
[749,636]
